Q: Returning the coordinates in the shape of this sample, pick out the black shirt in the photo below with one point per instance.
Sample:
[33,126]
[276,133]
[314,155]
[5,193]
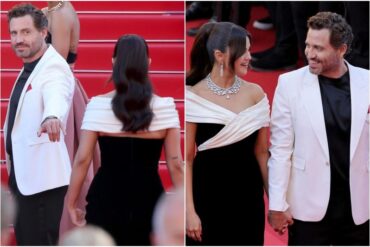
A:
[336,101]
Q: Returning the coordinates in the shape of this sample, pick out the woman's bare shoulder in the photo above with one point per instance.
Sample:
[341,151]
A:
[254,89]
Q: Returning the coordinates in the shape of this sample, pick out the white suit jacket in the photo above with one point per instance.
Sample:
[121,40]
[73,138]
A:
[39,164]
[299,168]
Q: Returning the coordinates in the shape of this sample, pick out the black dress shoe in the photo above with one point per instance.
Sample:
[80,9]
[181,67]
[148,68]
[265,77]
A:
[261,54]
[199,10]
[276,61]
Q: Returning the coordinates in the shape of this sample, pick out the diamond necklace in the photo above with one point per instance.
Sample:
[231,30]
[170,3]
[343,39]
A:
[56,6]
[223,91]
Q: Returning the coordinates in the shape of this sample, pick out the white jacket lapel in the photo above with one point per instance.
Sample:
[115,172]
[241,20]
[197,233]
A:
[359,105]
[313,103]
[34,73]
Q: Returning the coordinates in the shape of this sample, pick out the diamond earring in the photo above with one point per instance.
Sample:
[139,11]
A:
[222,70]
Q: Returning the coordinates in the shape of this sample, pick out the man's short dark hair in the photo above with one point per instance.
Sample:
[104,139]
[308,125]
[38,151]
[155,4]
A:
[39,19]
[340,31]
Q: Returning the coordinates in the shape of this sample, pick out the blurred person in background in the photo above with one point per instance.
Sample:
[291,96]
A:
[169,219]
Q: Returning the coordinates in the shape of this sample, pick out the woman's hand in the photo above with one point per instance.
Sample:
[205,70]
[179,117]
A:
[77,216]
[193,226]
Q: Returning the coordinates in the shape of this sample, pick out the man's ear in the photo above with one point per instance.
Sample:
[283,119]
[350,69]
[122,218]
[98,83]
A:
[149,61]
[343,49]
[44,32]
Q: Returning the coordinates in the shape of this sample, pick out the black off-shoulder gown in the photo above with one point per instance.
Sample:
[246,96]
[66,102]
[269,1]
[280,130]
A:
[228,191]
[123,194]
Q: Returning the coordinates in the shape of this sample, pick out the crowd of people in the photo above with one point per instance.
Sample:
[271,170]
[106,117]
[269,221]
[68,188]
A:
[315,171]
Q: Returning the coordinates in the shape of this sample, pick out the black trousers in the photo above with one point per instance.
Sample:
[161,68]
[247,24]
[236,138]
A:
[38,216]
[327,232]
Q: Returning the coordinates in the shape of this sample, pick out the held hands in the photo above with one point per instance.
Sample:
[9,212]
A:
[77,216]
[52,127]
[279,221]
[193,226]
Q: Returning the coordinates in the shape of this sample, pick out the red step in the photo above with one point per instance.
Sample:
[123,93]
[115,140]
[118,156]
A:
[94,26]
[165,177]
[112,26]
[96,83]
[111,5]
[4,174]
[11,240]
[165,56]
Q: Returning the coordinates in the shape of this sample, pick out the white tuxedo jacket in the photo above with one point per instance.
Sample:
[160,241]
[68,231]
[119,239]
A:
[299,168]
[39,164]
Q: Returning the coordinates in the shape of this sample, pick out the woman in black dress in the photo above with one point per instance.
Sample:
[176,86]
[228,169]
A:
[227,120]
[131,125]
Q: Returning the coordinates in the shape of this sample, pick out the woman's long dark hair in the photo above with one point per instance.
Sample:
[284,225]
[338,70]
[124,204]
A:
[211,37]
[131,103]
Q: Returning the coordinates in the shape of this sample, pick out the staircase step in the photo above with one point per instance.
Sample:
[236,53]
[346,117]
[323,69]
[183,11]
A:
[165,56]
[164,174]
[11,240]
[112,5]
[162,170]
[94,26]
[99,26]
[4,174]
[96,83]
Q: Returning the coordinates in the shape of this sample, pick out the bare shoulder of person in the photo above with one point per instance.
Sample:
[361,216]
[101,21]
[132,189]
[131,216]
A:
[254,89]
[199,88]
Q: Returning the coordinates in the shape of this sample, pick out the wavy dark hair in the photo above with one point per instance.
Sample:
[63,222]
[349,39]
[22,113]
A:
[131,103]
[215,36]
[340,31]
[39,19]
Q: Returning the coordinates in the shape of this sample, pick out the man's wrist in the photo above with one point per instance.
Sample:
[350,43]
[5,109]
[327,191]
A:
[49,117]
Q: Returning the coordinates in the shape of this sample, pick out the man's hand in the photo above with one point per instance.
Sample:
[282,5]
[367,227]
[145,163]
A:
[279,221]
[52,127]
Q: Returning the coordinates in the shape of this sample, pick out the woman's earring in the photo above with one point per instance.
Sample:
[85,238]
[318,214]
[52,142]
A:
[222,70]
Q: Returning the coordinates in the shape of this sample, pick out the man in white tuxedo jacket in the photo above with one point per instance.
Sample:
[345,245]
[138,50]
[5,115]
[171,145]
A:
[319,164]
[37,157]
